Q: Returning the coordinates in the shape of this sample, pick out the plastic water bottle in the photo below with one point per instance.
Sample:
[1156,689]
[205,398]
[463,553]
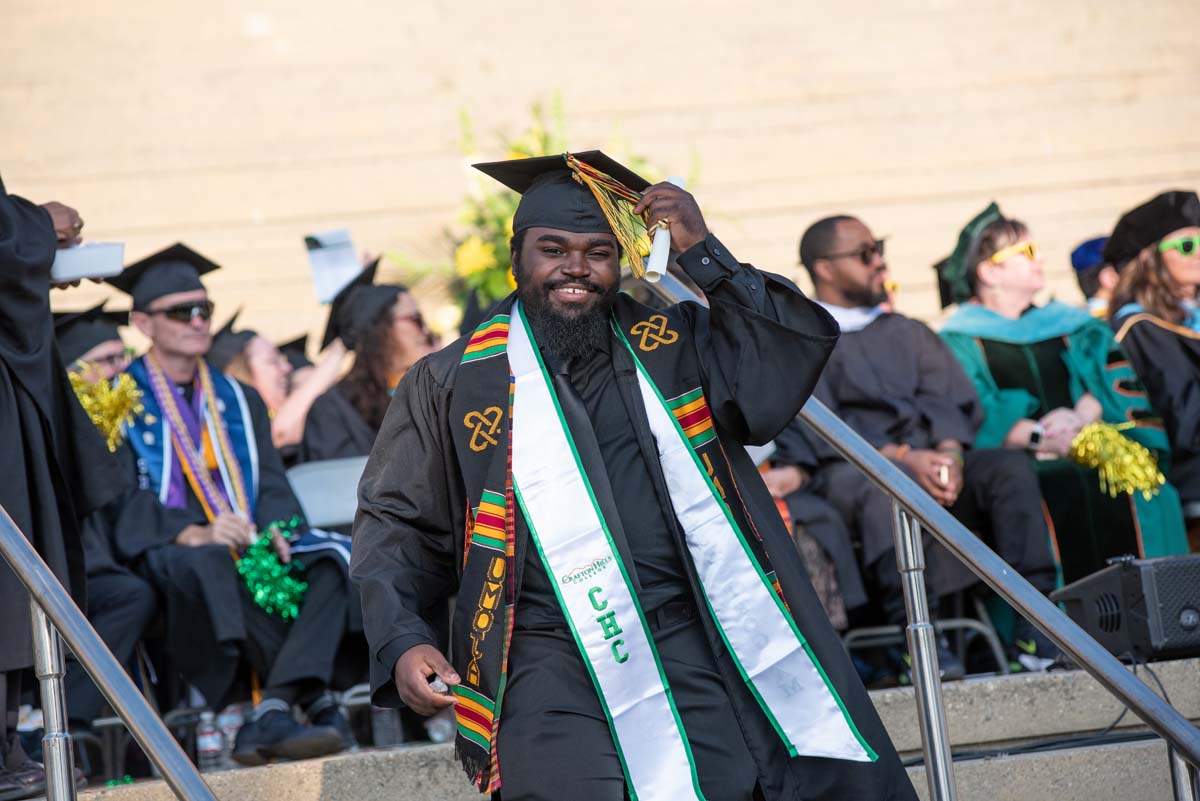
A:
[386,728]
[229,722]
[209,744]
[441,727]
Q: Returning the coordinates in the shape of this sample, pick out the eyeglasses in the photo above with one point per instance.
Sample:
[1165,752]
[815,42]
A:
[1186,245]
[118,361]
[186,312]
[415,317]
[866,252]
[1028,249]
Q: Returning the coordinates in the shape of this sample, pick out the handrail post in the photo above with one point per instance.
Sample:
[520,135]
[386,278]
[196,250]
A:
[56,741]
[922,645]
[1184,778]
[109,675]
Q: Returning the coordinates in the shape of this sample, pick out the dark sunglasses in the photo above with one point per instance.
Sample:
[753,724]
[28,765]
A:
[186,312]
[866,253]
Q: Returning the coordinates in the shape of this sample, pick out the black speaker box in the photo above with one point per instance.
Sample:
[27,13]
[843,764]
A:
[1148,607]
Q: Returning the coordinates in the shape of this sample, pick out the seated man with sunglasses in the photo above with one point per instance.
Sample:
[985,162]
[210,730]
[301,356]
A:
[897,384]
[201,447]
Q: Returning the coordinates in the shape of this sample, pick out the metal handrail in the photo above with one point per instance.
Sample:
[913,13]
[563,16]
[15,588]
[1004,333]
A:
[49,597]
[1160,716]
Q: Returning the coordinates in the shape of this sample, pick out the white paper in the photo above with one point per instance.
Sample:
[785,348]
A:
[89,260]
[333,262]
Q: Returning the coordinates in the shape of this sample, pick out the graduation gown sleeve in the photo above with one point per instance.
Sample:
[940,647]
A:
[762,343]
[946,398]
[403,553]
[1167,360]
[334,429]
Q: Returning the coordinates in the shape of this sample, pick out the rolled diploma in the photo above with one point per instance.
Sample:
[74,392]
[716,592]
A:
[660,249]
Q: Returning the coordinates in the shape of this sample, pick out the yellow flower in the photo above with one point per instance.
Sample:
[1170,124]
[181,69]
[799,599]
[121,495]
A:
[474,256]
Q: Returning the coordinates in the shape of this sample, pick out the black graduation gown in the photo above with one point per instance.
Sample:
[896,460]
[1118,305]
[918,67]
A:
[409,529]
[1166,358]
[334,429]
[55,466]
[895,381]
[204,604]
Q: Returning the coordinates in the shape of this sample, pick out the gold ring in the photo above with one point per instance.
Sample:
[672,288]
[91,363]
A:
[665,222]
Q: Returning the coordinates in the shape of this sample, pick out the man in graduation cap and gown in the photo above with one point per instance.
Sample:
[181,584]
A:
[55,467]
[897,384]
[120,604]
[632,618]
[202,447]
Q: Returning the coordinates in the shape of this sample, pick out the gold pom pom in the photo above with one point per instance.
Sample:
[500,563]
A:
[109,405]
[1125,466]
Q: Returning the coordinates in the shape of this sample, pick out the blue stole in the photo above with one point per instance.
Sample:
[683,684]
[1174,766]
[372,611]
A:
[150,437]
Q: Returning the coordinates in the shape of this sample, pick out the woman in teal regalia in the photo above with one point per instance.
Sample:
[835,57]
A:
[1043,375]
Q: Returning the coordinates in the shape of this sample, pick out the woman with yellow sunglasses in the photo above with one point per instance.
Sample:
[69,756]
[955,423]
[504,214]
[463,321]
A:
[1156,247]
[1053,383]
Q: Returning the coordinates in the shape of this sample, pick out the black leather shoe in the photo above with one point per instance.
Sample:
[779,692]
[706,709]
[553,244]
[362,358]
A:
[277,736]
[332,717]
[22,783]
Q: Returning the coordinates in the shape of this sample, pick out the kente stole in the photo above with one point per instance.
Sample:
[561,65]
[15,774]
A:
[208,447]
[526,486]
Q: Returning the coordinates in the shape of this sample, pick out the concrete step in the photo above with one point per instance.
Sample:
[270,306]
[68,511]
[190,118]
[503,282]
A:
[1003,709]
[984,712]
[1134,771]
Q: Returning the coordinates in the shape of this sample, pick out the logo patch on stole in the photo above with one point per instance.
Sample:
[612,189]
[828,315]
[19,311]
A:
[654,332]
[485,423]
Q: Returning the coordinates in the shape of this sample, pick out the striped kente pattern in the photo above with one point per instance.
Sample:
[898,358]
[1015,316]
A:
[488,530]
[474,713]
[691,411]
[489,339]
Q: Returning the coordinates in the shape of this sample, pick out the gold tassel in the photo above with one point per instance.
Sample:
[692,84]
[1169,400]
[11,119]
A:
[617,203]
[108,405]
[1125,466]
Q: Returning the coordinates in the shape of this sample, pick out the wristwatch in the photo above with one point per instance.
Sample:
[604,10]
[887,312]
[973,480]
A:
[1035,436]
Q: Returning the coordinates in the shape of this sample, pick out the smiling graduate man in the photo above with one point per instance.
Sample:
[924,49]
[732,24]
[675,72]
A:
[632,618]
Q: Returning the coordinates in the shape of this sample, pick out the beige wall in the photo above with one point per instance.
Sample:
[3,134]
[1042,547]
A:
[238,127]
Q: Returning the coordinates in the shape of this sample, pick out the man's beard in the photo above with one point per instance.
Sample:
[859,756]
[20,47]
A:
[866,297]
[567,337]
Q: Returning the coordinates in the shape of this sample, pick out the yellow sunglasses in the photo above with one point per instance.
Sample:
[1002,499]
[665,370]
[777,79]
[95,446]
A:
[1029,249]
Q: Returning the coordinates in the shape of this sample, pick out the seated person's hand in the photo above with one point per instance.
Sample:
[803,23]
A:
[785,479]
[1061,427]
[228,529]
[413,671]
[280,545]
[939,474]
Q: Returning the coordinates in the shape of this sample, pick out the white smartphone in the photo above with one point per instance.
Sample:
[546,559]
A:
[89,260]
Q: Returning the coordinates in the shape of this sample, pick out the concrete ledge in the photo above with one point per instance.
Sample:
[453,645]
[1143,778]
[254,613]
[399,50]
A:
[1125,772]
[1023,706]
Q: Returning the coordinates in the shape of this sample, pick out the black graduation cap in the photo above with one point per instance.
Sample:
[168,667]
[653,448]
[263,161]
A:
[552,196]
[357,305]
[174,269]
[80,331]
[296,352]
[1149,223]
[227,343]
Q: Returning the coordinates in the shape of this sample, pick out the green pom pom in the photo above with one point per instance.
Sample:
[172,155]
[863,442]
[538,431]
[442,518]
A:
[271,583]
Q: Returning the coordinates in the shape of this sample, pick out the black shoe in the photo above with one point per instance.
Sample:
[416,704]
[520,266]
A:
[1031,650]
[331,717]
[22,783]
[276,735]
